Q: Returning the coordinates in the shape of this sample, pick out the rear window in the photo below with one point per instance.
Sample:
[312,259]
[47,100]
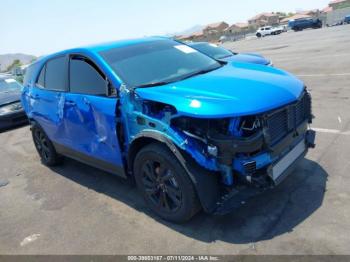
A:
[212,50]
[56,73]
[41,78]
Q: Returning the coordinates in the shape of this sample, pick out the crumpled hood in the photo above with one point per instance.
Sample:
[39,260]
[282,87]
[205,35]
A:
[248,58]
[235,89]
[9,97]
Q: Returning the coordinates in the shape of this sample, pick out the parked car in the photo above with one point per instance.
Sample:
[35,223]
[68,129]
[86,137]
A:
[192,131]
[268,30]
[220,53]
[304,23]
[11,111]
[347,19]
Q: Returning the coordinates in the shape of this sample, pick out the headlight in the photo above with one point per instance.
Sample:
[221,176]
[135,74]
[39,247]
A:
[7,109]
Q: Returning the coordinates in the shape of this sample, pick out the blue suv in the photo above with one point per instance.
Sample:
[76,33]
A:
[193,132]
[304,23]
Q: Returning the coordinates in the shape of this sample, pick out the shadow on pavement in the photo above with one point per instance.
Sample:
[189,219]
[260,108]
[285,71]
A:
[271,214]
[13,127]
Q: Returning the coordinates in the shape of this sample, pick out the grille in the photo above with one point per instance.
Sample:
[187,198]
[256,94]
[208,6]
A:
[283,121]
[250,167]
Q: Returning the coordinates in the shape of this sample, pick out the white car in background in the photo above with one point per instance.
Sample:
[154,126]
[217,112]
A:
[268,30]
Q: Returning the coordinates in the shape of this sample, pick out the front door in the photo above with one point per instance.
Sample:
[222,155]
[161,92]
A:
[89,116]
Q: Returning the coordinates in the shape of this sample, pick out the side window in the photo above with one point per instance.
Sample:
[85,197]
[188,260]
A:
[84,77]
[55,76]
[41,78]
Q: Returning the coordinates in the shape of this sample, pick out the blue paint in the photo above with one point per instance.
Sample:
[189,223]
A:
[248,58]
[234,127]
[234,90]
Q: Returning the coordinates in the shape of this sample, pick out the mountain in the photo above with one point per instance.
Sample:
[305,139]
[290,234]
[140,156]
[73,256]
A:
[191,30]
[7,59]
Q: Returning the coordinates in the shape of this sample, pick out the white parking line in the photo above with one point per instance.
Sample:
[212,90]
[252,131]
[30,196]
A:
[325,130]
[29,239]
[324,75]
[330,131]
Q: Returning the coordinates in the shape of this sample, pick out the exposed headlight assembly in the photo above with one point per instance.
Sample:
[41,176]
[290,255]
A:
[10,108]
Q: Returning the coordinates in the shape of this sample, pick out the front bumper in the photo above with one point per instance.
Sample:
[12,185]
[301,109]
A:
[13,119]
[242,193]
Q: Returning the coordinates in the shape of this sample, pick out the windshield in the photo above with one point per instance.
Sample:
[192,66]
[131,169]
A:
[160,61]
[213,50]
[9,85]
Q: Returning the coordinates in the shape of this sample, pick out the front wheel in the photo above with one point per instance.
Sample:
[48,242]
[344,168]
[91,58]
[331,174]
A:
[165,184]
[258,35]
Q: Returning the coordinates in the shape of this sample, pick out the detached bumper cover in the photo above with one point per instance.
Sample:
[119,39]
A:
[13,119]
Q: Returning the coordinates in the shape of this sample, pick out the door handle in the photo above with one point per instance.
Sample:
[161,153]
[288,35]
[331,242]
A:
[36,96]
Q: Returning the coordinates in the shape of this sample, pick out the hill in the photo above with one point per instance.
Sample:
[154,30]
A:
[7,59]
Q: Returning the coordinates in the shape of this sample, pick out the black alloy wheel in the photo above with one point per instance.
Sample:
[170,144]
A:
[164,183]
[161,186]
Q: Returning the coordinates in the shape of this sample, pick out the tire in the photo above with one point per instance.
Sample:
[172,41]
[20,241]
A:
[44,147]
[164,184]
[258,35]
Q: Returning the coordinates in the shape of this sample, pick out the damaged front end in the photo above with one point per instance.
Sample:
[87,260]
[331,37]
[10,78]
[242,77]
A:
[247,154]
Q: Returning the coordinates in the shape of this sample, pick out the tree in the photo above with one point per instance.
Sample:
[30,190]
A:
[14,64]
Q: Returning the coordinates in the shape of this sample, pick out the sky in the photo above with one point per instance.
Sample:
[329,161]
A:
[41,27]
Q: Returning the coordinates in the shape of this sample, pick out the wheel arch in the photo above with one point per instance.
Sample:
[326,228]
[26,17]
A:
[206,182]
[145,138]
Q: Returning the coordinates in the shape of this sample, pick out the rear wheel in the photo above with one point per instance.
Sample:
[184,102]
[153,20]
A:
[164,184]
[45,148]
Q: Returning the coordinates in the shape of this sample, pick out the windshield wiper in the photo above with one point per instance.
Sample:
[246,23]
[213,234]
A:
[160,83]
[225,56]
[154,84]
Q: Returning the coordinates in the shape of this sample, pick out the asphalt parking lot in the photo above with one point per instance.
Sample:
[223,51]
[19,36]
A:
[76,209]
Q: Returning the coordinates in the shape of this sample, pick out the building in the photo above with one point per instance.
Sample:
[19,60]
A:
[335,12]
[197,36]
[339,4]
[285,21]
[237,28]
[313,13]
[264,19]
[215,31]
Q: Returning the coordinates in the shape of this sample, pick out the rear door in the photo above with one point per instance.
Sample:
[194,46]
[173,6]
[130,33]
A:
[47,95]
[90,115]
